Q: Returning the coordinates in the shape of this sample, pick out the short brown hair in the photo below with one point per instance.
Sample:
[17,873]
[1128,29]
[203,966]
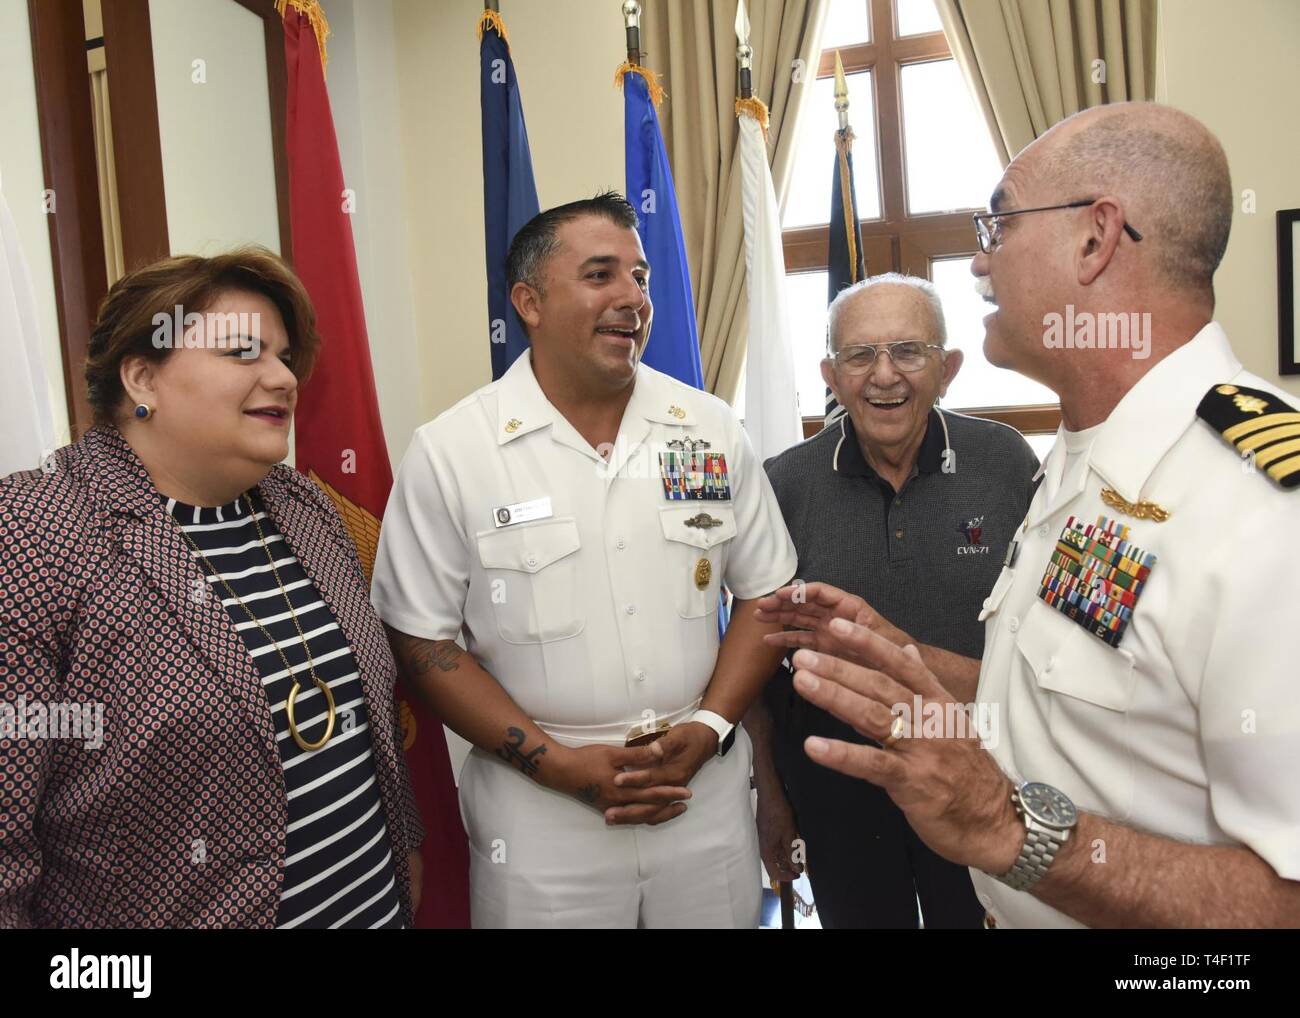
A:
[125,325]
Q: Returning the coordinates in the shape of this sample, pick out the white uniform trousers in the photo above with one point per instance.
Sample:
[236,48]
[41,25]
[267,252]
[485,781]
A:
[539,858]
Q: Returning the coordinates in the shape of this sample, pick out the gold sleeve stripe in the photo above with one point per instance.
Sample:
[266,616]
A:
[1254,424]
[1271,435]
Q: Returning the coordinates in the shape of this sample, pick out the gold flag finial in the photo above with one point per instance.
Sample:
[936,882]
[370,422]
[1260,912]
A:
[841,93]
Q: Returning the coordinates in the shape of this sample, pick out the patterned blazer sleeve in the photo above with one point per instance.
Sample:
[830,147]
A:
[35,602]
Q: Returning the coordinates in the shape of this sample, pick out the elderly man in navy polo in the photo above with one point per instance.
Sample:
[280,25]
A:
[911,508]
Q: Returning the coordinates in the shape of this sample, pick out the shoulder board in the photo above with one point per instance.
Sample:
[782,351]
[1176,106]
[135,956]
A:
[1260,426]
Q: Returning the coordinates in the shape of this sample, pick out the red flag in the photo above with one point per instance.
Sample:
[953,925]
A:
[339,435]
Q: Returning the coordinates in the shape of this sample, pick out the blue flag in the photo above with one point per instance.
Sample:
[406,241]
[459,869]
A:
[674,346]
[509,193]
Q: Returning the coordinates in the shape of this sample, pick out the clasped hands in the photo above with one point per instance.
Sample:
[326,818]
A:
[641,784]
[848,663]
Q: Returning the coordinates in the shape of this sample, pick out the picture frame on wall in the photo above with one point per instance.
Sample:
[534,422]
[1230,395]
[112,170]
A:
[1288,296]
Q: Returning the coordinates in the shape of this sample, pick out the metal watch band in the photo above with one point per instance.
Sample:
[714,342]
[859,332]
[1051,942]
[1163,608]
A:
[1036,855]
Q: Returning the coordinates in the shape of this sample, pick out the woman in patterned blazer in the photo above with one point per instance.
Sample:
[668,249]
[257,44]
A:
[197,724]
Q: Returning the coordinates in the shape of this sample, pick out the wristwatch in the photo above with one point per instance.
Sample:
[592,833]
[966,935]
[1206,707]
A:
[1049,817]
[725,729]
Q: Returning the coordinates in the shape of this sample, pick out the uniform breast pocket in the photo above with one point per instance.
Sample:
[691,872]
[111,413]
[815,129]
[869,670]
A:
[532,579]
[1090,686]
[696,554]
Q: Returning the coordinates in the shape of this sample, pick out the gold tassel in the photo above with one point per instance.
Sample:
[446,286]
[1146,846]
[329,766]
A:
[757,109]
[656,90]
[310,9]
[492,19]
[843,145]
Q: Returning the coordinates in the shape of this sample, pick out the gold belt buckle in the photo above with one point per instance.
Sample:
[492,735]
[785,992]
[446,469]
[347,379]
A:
[638,736]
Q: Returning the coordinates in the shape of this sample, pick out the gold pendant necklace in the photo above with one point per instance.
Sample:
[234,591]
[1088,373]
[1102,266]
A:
[303,744]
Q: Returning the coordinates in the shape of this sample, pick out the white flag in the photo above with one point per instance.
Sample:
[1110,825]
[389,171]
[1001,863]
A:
[26,421]
[771,397]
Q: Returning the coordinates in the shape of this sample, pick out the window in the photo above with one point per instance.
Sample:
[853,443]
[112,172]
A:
[923,161]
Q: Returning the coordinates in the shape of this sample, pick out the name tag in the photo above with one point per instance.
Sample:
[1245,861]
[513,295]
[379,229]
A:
[522,512]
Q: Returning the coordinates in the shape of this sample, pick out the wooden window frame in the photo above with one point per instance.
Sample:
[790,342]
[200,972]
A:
[906,243]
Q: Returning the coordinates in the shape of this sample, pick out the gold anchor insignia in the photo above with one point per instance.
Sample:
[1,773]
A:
[1143,510]
[677,412]
[513,425]
[703,573]
[1226,390]
[1250,404]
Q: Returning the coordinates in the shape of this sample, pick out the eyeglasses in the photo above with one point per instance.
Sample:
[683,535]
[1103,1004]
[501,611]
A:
[907,355]
[988,225]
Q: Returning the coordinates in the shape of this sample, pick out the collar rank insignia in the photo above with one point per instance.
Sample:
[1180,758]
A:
[1262,427]
[513,425]
[677,412]
[1095,577]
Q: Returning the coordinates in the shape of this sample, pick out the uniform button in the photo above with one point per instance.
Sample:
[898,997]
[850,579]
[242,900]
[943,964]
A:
[1051,663]
[1042,531]
[531,560]
[898,534]
[630,609]
[640,675]
[620,544]
[1013,623]
[986,901]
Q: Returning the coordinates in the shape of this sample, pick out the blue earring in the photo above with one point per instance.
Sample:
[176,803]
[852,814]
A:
[143,411]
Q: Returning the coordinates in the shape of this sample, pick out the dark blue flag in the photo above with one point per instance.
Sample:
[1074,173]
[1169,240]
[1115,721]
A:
[509,193]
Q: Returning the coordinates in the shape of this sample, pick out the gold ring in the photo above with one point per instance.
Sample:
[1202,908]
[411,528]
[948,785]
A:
[895,731]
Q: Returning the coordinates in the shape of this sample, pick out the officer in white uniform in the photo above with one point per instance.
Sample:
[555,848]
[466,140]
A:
[1138,648]
[1188,726]
[585,581]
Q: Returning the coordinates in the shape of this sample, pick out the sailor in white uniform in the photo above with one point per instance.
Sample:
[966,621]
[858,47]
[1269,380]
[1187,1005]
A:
[575,523]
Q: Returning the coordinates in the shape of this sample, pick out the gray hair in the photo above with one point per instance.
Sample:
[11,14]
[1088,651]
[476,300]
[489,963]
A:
[924,286]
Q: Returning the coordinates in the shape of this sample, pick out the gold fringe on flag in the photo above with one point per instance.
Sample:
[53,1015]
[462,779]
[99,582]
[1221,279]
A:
[656,90]
[492,19]
[844,145]
[310,9]
[757,109]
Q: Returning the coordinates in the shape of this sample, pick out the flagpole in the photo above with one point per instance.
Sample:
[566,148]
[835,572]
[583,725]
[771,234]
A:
[632,24]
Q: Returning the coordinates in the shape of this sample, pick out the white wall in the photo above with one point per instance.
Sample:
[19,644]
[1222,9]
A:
[363,89]
[23,182]
[215,134]
[565,53]
[1235,67]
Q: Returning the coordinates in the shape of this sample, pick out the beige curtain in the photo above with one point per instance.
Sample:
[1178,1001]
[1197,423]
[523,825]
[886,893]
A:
[692,45]
[1032,63]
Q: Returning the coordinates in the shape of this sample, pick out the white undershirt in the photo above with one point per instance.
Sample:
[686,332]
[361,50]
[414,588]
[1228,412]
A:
[1077,444]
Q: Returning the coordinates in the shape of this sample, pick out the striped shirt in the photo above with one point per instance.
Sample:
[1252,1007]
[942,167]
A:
[338,867]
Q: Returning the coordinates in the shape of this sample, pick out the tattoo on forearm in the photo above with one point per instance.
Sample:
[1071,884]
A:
[589,794]
[424,656]
[512,752]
